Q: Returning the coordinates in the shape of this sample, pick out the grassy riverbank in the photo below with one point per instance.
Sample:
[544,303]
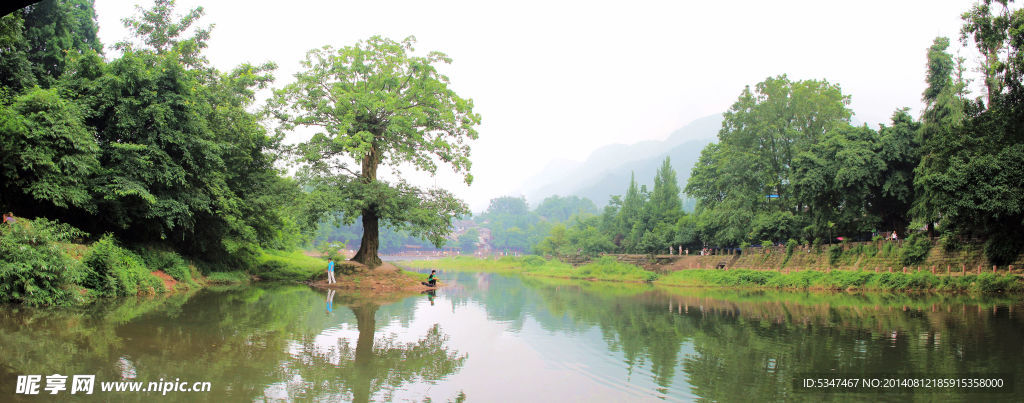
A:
[605,269]
[844,280]
[45,263]
[608,269]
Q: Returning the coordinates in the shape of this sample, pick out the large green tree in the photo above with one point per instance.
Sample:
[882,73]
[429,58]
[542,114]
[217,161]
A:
[48,155]
[181,159]
[749,171]
[15,68]
[899,146]
[834,179]
[377,104]
[57,30]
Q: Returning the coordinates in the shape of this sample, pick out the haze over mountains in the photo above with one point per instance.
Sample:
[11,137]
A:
[607,170]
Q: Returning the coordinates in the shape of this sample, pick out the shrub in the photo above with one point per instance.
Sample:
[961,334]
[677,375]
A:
[608,268]
[834,253]
[294,266]
[534,261]
[331,250]
[168,262]
[227,277]
[950,242]
[915,249]
[116,271]
[1003,250]
[791,245]
[888,249]
[33,270]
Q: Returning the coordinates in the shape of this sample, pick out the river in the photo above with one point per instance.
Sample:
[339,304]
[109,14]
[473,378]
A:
[495,338]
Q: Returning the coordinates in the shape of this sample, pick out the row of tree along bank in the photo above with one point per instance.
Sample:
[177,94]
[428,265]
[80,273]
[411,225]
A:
[789,165]
[610,268]
[148,162]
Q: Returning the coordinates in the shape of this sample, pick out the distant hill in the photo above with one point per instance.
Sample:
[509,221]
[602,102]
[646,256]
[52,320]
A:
[606,171]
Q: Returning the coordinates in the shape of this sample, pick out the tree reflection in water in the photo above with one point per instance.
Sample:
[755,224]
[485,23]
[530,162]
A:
[374,365]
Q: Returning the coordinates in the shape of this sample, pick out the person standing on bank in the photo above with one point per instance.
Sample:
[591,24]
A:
[330,272]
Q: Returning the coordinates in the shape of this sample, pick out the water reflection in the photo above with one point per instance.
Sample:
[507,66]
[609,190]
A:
[375,364]
[495,338]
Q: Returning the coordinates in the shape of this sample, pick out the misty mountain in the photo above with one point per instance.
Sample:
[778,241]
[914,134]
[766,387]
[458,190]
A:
[606,171]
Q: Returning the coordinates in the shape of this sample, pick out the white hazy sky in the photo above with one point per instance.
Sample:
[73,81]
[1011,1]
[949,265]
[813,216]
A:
[558,79]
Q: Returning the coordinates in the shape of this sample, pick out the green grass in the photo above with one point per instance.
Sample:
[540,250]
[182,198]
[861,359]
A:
[605,268]
[465,263]
[845,280]
[608,269]
[228,277]
[293,265]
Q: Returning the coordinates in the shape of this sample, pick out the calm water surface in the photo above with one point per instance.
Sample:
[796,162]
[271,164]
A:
[491,338]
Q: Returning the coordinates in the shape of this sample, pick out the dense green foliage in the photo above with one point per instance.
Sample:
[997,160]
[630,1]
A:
[116,271]
[168,262]
[33,267]
[155,146]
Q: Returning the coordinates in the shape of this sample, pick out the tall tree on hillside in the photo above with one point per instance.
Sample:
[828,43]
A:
[972,169]
[57,30]
[943,113]
[665,204]
[629,218]
[989,30]
[376,104]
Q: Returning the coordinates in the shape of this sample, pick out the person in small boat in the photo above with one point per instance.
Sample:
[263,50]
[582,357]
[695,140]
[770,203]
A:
[432,279]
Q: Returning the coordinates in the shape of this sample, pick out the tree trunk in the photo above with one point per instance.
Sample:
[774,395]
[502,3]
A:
[371,241]
[371,235]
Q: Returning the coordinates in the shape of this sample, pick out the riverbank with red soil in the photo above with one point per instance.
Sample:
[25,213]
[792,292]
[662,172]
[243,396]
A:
[385,278]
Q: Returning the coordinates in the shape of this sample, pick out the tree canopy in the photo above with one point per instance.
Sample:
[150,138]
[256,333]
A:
[377,104]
